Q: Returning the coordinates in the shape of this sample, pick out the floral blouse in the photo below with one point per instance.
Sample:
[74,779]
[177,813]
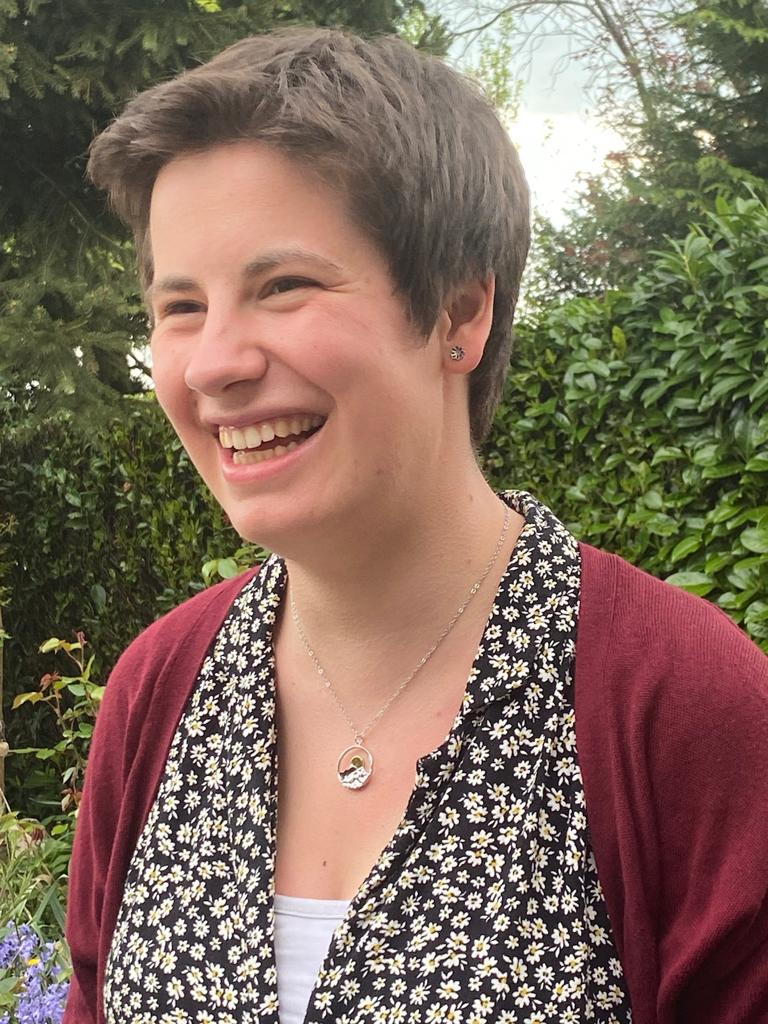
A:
[484,907]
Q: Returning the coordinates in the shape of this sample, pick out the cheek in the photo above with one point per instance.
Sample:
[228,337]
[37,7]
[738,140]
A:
[170,388]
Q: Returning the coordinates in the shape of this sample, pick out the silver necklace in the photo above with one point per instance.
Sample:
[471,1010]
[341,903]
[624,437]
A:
[354,767]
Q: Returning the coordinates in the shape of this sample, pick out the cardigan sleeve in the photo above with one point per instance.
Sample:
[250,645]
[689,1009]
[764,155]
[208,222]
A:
[674,748]
[94,839]
[144,699]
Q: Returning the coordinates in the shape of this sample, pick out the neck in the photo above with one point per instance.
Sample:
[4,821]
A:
[388,585]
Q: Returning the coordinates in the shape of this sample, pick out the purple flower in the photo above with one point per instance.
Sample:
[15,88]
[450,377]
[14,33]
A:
[42,996]
[19,943]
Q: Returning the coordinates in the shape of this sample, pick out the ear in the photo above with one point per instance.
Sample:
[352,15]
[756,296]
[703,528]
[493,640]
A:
[465,323]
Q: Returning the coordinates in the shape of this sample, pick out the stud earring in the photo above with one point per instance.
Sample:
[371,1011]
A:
[457,353]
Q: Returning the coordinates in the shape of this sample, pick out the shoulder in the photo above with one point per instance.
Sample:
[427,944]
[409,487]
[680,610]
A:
[667,686]
[672,734]
[638,632]
[204,610]
[179,639]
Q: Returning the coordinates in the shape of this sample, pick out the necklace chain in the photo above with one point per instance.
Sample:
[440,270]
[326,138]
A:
[360,734]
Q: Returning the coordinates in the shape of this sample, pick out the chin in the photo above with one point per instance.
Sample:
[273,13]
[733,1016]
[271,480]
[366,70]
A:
[277,523]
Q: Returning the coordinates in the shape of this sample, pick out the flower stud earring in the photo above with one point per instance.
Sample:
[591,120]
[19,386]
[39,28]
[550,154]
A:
[457,353]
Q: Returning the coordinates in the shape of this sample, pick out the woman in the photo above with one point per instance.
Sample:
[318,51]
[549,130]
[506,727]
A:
[434,761]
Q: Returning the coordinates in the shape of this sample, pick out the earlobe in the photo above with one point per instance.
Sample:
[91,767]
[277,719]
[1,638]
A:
[469,315]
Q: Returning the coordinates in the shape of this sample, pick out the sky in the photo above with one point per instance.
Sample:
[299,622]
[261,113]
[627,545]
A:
[558,131]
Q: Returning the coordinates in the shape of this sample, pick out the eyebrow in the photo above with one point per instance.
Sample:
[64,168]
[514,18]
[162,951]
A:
[254,268]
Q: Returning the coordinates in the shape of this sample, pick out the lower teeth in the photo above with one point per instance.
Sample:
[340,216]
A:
[248,458]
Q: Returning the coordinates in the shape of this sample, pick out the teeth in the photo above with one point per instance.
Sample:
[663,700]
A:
[254,436]
[248,458]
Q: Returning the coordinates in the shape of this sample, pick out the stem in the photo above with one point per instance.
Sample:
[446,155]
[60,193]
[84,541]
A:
[631,59]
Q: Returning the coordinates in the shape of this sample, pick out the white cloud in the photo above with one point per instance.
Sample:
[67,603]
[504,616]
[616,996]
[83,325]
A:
[555,148]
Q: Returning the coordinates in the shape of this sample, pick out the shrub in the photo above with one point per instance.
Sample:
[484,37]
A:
[642,417]
[103,533]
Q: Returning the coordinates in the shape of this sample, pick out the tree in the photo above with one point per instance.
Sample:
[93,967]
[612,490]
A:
[72,325]
[686,83]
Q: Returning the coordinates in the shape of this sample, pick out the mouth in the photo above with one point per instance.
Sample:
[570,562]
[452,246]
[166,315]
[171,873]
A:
[268,439]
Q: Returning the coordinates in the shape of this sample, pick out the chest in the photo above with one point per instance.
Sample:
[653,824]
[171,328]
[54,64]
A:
[329,837]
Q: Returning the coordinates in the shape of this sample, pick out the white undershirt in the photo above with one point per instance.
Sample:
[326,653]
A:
[303,930]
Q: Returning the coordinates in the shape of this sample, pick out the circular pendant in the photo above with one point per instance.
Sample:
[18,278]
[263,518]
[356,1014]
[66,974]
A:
[355,766]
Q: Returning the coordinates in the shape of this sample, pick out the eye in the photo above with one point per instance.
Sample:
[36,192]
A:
[181,307]
[287,284]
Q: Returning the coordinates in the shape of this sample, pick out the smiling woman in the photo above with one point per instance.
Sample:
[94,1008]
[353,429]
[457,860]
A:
[435,760]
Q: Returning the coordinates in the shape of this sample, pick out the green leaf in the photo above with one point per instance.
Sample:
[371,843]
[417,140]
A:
[228,568]
[666,454]
[694,582]
[734,600]
[722,513]
[50,645]
[725,469]
[706,455]
[715,563]
[99,597]
[686,547]
[755,539]
[661,524]
[27,698]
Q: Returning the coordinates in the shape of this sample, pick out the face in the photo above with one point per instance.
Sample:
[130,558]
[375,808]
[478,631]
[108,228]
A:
[281,354]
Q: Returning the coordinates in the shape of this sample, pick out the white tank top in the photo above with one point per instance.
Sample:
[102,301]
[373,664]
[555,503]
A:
[303,930]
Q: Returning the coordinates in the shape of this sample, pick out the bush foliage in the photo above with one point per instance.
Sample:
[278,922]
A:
[642,417]
[102,535]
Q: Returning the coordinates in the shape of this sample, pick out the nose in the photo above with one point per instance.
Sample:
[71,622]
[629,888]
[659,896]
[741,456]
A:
[227,352]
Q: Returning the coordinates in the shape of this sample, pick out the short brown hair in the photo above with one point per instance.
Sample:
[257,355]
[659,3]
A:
[419,153]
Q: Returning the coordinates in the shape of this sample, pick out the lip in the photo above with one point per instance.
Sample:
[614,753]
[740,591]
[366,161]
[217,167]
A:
[258,472]
[255,419]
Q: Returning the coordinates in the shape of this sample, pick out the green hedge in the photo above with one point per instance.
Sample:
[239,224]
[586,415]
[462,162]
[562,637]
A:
[102,535]
[642,418]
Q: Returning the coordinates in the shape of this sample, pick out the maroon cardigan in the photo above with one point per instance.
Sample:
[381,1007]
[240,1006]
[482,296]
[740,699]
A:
[672,738]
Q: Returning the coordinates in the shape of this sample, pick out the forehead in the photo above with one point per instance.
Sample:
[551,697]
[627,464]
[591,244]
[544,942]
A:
[242,199]
[247,170]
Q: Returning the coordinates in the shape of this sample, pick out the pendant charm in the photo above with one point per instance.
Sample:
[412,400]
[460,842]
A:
[355,766]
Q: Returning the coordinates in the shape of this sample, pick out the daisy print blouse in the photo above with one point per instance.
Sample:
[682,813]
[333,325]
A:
[484,907]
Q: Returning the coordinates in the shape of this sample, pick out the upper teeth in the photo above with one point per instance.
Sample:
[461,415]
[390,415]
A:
[253,436]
